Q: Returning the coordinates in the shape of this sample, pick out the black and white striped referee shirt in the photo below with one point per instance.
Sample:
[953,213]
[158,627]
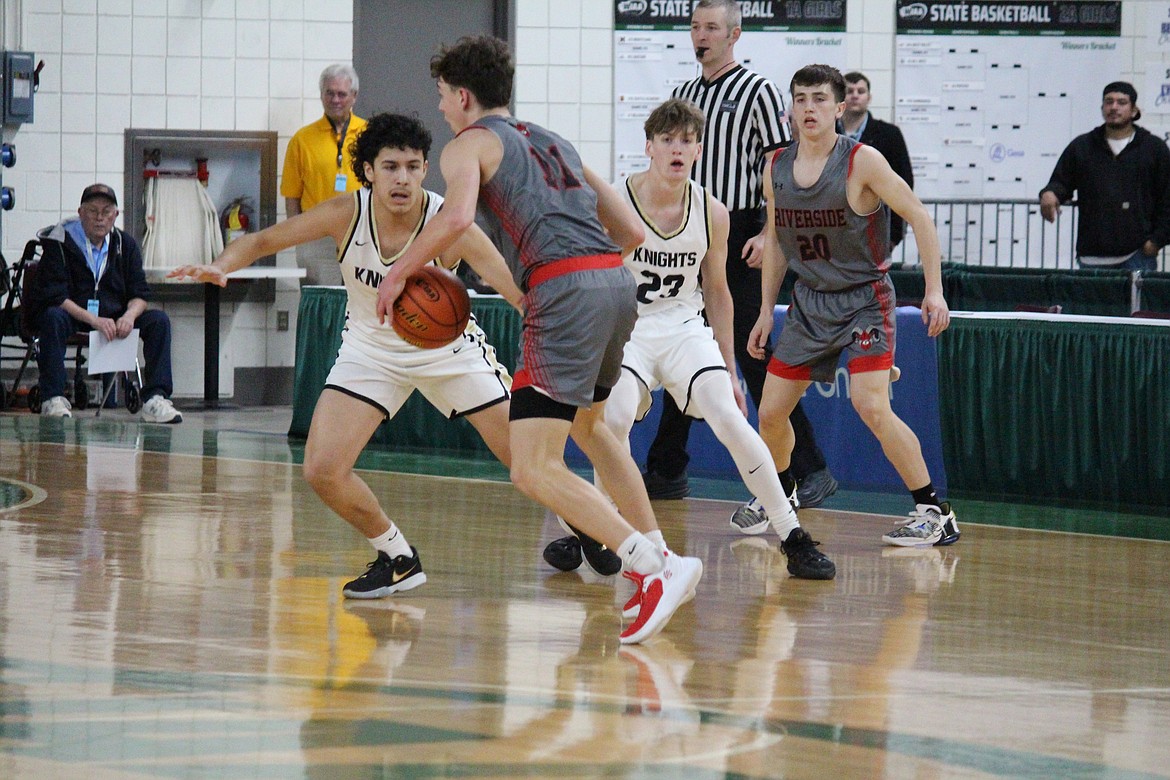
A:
[743,111]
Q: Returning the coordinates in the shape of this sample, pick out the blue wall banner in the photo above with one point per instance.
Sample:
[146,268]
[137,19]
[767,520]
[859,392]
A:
[853,454]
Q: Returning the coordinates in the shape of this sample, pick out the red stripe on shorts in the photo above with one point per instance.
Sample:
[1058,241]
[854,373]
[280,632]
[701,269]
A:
[572,265]
[785,371]
[883,362]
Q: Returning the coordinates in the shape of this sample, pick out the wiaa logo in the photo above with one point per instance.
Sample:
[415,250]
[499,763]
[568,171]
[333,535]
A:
[632,7]
[913,12]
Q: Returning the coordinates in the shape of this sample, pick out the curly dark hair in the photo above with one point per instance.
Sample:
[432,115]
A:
[479,63]
[387,131]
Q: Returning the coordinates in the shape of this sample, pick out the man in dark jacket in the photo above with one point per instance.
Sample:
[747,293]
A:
[860,125]
[90,277]
[1121,175]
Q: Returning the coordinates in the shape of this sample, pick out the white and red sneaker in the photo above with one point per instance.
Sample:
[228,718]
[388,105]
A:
[634,605]
[661,594]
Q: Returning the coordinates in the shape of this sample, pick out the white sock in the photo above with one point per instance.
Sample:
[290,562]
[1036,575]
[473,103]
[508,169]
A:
[393,543]
[656,537]
[640,555]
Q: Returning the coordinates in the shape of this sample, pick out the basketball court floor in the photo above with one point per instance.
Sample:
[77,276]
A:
[170,607]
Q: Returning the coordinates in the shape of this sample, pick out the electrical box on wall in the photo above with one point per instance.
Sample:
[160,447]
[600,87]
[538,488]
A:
[19,79]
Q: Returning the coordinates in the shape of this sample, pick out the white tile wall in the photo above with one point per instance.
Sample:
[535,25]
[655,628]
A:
[181,64]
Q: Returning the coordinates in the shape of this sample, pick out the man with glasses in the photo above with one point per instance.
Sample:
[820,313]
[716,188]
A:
[90,278]
[318,166]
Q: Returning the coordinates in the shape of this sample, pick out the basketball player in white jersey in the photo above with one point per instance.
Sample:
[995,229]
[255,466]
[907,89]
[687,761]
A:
[672,345]
[376,371]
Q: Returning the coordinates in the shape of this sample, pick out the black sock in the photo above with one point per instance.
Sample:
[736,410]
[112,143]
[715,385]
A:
[926,495]
[787,481]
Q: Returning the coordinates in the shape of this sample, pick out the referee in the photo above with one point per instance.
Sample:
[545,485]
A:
[743,111]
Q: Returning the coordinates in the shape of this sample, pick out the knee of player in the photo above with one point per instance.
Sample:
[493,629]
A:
[772,420]
[321,471]
[618,424]
[873,410]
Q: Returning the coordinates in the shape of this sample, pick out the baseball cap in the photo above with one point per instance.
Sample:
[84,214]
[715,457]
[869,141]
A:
[99,191]
[1124,87]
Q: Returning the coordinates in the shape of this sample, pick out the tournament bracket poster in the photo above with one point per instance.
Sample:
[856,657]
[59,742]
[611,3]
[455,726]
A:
[653,55]
[1154,31]
[989,93]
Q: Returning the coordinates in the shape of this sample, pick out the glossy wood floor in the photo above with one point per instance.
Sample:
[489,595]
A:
[170,607]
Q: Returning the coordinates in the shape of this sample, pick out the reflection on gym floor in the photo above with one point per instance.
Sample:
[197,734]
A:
[170,606]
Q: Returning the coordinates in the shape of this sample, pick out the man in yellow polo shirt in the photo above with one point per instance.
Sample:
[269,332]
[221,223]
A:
[318,166]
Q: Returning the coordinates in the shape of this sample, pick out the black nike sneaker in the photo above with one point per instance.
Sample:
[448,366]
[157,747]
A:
[804,559]
[387,575]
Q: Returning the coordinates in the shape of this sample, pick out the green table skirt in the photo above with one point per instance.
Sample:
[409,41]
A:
[1030,407]
[417,425]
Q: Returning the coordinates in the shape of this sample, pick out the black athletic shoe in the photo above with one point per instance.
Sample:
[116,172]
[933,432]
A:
[661,488]
[563,553]
[600,558]
[385,576]
[804,559]
[815,488]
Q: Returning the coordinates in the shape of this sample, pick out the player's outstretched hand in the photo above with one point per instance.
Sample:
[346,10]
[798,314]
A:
[388,292]
[211,274]
[935,314]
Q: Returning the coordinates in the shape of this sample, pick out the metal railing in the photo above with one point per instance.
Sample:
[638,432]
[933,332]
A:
[1002,233]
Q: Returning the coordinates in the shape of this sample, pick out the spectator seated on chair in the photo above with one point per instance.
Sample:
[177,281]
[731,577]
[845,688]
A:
[91,278]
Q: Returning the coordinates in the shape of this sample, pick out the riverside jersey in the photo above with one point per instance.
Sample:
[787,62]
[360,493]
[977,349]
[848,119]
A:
[363,267]
[828,246]
[537,214]
[666,265]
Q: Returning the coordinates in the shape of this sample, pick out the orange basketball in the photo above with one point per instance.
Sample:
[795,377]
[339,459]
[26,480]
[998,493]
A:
[433,309]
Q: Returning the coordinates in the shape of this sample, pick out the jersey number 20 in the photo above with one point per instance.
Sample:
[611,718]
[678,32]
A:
[815,247]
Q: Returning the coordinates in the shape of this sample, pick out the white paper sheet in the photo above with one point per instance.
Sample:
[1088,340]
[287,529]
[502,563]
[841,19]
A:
[108,356]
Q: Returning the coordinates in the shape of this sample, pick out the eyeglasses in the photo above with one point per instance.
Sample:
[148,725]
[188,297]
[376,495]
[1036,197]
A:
[94,211]
[329,93]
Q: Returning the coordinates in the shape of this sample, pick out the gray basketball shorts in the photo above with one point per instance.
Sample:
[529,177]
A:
[859,321]
[575,329]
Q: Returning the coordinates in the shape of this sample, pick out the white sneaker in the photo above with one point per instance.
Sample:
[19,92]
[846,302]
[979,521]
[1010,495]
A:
[161,410]
[662,594]
[57,406]
[927,525]
[634,605]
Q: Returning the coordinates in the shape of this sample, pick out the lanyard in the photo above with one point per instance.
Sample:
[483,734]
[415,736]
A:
[98,270]
[341,140]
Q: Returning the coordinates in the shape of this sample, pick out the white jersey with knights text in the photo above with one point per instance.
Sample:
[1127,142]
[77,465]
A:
[363,267]
[666,265]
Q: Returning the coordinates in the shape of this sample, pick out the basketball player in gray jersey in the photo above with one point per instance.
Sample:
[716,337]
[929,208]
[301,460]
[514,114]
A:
[672,345]
[828,219]
[565,228]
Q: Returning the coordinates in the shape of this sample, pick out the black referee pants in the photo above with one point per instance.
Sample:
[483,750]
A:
[668,452]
